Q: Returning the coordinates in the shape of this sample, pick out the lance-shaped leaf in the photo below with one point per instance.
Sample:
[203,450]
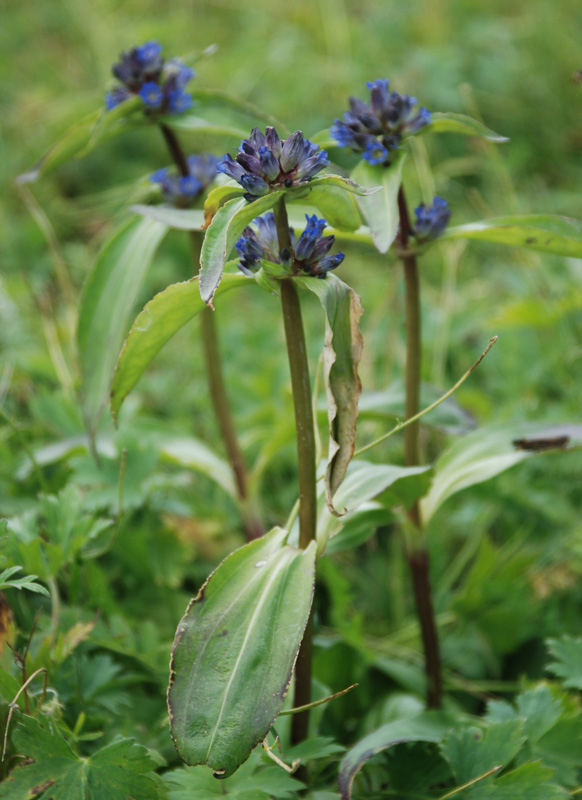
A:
[460,123]
[235,649]
[225,228]
[430,726]
[116,772]
[107,305]
[182,219]
[380,209]
[546,232]
[490,450]
[218,100]
[218,197]
[341,355]
[84,135]
[159,321]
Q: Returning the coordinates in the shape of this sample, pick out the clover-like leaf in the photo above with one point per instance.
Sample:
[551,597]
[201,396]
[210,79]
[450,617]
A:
[52,770]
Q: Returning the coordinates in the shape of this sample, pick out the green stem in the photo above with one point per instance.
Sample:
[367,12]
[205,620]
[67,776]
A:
[55,607]
[305,429]
[418,558]
[216,385]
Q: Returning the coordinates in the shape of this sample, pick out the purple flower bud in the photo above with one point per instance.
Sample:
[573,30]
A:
[292,151]
[181,191]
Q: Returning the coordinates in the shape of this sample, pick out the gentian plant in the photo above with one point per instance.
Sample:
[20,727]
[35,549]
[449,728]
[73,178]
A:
[249,632]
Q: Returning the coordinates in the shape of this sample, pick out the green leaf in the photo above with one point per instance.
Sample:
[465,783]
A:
[339,208]
[84,135]
[220,99]
[490,450]
[530,781]
[183,219]
[364,482]
[116,772]
[429,726]
[334,182]
[235,649]
[107,306]
[472,752]
[380,210]
[341,356]
[190,121]
[545,232]
[26,582]
[225,228]
[567,652]
[218,197]
[194,454]
[159,321]
[460,123]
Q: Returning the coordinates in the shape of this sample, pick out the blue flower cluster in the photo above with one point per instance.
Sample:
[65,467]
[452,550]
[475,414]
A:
[431,220]
[264,162]
[160,84]
[181,191]
[309,255]
[376,128]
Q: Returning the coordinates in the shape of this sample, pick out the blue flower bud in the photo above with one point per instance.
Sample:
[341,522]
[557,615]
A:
[254,185]
[431,220]
[264,163]
[181,191]
[379,127]
[142,71]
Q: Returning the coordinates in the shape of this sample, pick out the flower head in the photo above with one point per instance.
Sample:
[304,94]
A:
[376,128]
[265,162]
[142,71]
[181,191]
[310,254]
[431,220]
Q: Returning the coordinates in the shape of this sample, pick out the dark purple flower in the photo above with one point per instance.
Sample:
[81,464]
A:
[309,255]
[181,191]
[265,163]
[142,71]
[431,220]
[376,128]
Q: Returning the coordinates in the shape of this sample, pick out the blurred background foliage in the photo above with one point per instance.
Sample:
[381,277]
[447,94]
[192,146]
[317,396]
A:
[507,555]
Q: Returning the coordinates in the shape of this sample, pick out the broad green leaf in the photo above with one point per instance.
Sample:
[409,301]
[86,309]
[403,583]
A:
[472,752]
[530,781]
[357,528]
[429,726]
[85,135]
[567,663]
[107,306]
[363,482]
[490,450]
[225,228]
[460,123]
[545,232]
[380,210]
[235,649]
[183,219]
[218,197]
[341,356]
[116,772]
[159,321]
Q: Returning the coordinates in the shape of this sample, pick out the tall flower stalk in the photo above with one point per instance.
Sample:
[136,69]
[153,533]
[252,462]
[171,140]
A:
[376,130]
